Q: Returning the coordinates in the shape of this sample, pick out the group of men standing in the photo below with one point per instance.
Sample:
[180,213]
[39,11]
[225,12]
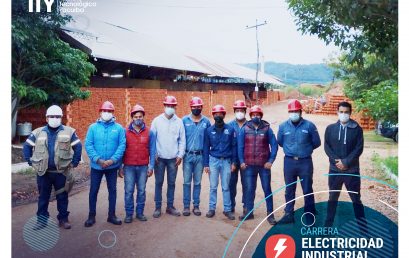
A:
[223,150]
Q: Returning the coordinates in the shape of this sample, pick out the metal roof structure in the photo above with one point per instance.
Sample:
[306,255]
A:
[113,42]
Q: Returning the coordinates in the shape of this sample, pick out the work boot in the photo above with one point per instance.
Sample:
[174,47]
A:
[271,220]
[210,213]
[186,212]
[232,210]
[172,211]
[114,220]
[128,219]
[287,219]
[90,221]
[249,217]
[141,217]
[197,211]
[229,215]
[157,213]
[64,224]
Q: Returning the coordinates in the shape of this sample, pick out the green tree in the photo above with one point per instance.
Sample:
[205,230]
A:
[45,69]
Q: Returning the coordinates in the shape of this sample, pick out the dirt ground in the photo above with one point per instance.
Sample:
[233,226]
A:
[193,236]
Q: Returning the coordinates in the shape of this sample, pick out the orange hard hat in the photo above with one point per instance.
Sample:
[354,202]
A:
[107,106]
[218,109]
[294,105]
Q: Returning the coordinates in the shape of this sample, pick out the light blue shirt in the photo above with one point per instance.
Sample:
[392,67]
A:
[195,132]
[170,136]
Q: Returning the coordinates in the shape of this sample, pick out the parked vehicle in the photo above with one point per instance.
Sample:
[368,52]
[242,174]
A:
[389,130]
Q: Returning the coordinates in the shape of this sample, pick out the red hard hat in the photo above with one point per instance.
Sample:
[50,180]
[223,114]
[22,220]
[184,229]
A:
[256,109]
[107,106]
[239,104]
[170,100]
[196,102]
[218,109]
[137,108]
[294,105]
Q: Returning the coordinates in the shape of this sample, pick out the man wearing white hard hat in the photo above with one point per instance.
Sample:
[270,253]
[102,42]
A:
[53,150]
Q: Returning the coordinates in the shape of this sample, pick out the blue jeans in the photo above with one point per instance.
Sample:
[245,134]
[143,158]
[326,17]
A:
[302,169]
[160,166]
[250,175]
[45,184]
[135,175]
[220,167]
[192,168]
[96,177]
[233,187]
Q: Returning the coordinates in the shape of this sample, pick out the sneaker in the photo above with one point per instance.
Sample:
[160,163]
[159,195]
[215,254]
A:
[157,213]
[271,220]
[172,211]
[128,219]
[287,219]
[141,217]
[229,215]
[196,211]
[114,220]
[186,212]
[64,224]
[210,214]
[90,221]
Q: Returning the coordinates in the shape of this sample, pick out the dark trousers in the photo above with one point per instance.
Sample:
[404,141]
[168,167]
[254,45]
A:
[96,177]
[298,169]
[352,183]
[250,175]
[234,178]
[45,184]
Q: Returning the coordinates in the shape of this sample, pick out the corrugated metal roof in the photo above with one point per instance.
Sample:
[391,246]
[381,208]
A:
[112,42]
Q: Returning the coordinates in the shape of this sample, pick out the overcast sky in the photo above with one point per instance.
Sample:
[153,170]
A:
[215,29]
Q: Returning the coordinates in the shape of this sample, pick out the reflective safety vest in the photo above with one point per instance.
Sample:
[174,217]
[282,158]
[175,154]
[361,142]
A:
[63,151]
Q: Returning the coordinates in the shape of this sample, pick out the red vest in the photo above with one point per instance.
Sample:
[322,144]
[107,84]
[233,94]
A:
[137,147]
[256,145]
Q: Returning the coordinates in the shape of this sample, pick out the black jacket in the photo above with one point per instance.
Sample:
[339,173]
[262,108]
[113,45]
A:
[345,143]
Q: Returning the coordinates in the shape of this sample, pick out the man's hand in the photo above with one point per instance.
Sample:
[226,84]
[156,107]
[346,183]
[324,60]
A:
[233,167]
[150,172]
[268,165]
[340,165]
[101,162]
[207,170]
[121,173]
[243,166]
[156,160]
[178,161]
[108,163]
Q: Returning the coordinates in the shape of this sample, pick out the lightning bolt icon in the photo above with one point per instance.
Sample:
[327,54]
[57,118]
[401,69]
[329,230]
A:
[280,247]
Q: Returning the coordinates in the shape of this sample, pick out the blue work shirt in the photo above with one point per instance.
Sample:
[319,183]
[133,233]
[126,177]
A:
[220,143]
[195,132]
[298,140]
[51,138]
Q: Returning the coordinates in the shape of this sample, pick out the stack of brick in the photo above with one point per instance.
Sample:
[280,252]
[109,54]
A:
[331,106]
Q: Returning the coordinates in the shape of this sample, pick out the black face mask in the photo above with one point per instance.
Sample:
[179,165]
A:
[196,112]
[218,121]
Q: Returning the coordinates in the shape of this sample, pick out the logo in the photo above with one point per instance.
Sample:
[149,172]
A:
[48,3]
[280,246]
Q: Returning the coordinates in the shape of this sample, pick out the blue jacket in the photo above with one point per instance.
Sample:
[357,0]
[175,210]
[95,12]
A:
[52,137]
[298,140]
[220,144]
[195,132]
[105,140]
[233,123]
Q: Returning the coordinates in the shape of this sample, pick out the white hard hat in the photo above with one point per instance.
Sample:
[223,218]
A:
[54,110]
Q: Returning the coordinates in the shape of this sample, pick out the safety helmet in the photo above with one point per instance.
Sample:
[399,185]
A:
[170,100]
[256,109]
[54,110]
[196,102]
[239,104]
[218,109]
[107,106]
[294,105]
[137,108]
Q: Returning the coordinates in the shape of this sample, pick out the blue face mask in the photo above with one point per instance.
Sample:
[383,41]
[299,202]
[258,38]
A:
[256,120]
[138,122]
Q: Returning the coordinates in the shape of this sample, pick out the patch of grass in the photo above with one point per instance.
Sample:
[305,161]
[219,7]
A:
[390,162]
[27,172]
[371,136]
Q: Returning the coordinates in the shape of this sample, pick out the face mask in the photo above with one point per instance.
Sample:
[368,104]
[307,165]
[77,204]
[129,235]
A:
[138,122]
[218,121]
[106,116]
[343,117]
[239,115]
[294,117]
[169,111]
[54,122]
[196,112]
[256,120]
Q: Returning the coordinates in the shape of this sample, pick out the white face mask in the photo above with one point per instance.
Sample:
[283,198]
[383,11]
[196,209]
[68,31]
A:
[343,117]
[54,122]
[294,117]
[169,111]
[106,116]
[239,115]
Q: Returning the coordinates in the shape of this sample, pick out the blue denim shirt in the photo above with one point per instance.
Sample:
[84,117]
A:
[195,132]
[298,141]
[220,144]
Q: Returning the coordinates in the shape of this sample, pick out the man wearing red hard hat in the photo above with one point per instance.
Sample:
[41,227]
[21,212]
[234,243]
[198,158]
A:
[299,138]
